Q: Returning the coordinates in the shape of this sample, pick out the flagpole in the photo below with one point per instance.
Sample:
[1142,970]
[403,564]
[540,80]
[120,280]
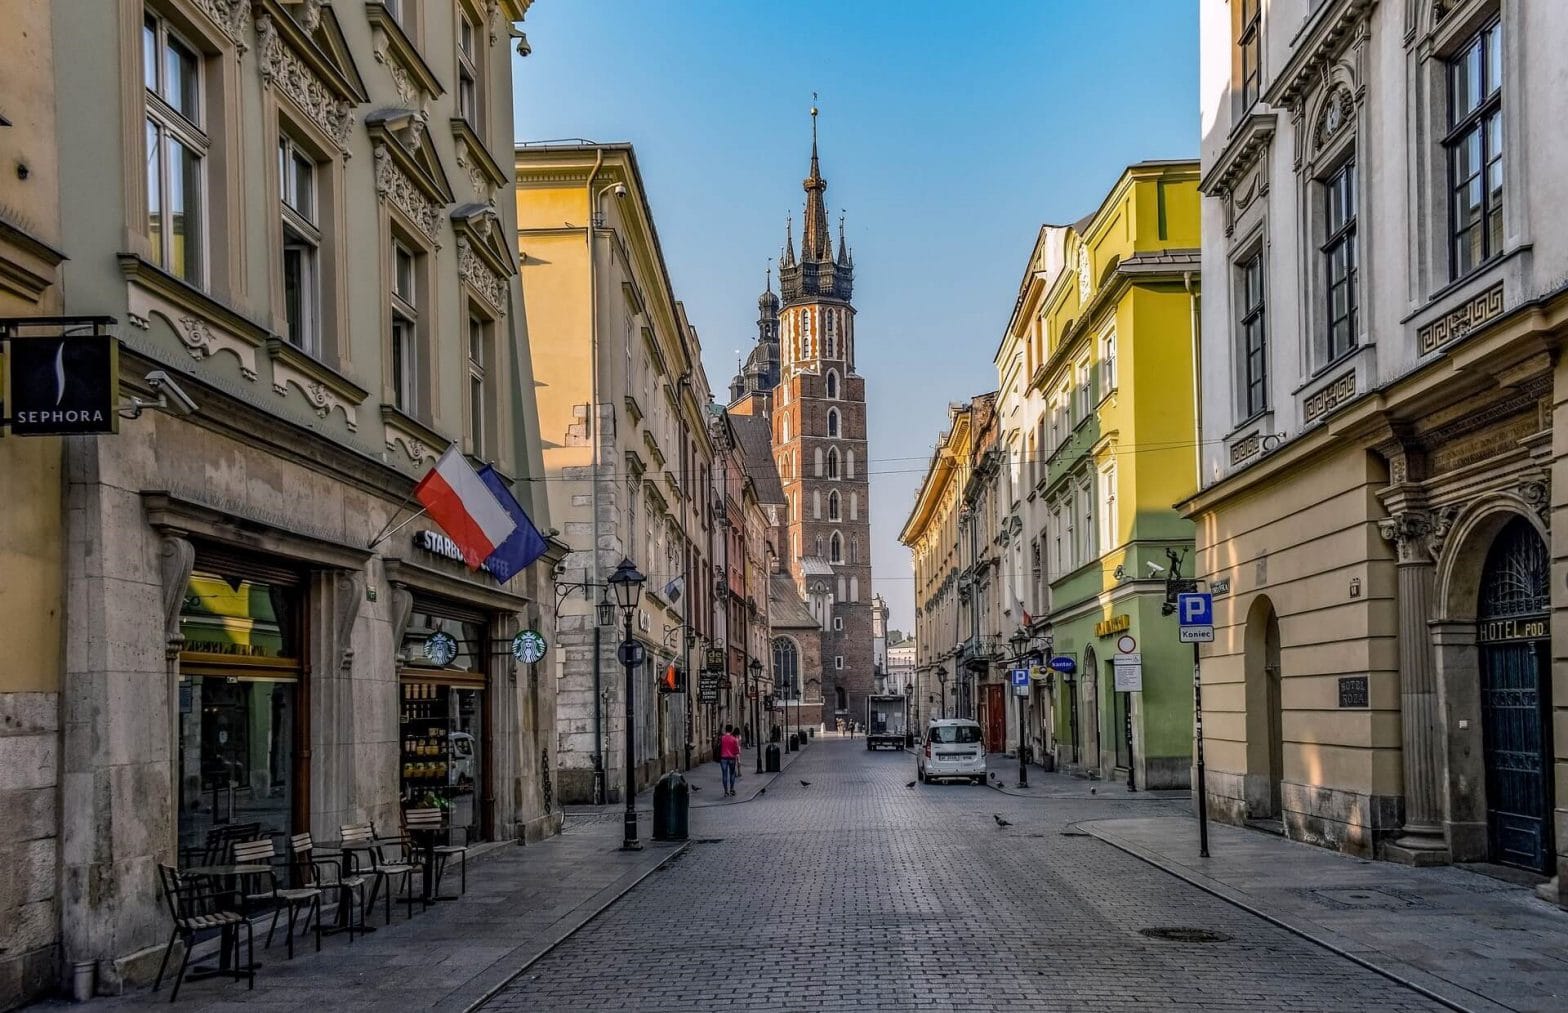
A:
[385,533]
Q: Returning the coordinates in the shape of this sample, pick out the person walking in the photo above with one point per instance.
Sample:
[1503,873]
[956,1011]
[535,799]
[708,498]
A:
[729,758]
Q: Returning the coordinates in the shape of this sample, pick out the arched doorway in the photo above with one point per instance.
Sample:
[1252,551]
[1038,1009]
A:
[1089,685]
[1515,683]
[1265,713]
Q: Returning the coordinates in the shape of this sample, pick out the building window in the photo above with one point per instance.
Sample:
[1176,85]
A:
[176,150]
[1086,520]
[1058,563]
[838,624]
[1069,535]
[816,504]
[405,329]
[832,421]
[1254,342]
[854,506]
[298,190]
[1339,260]
[832,462]
[1085,403]
[479,399]
[838,663]
[836,548]
[468,71]
[832,383]
[1249,51]
[833,504]
[1108,361]
[784,429]
[1475,150]
[818,543]
[1110,536]
[854,548]
[849,464]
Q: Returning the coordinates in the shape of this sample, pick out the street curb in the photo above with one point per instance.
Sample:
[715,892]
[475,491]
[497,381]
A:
[1428,985]
[753,796]
[1142,795]
[569,933]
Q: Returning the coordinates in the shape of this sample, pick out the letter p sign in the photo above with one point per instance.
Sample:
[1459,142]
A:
[1195,609]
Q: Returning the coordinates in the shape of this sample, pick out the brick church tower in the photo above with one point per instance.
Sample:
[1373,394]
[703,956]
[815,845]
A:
[818,407]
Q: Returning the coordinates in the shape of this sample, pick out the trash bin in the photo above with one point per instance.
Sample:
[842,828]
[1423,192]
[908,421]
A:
[771,758]
[812,731]
[671,798]
[794,741]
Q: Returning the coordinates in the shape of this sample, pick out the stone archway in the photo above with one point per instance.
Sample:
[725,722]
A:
[1264,712]
[1463,541]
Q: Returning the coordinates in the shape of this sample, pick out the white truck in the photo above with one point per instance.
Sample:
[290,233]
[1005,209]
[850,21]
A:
[885,721]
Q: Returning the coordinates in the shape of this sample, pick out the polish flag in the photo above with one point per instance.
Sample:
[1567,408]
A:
[459,501]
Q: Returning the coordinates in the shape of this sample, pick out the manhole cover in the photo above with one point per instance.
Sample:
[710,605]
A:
[1185,935]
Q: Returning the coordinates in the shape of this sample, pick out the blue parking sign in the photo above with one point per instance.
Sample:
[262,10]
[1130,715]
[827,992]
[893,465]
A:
[1020,677]
[1195,609]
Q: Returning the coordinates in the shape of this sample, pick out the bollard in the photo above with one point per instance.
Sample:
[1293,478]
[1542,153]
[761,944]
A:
[812,730]
[671,798]
[84,980]
[794,741]
[771,758]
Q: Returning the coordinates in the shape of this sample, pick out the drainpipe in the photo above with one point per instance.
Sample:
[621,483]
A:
[1197,378]
[593,430]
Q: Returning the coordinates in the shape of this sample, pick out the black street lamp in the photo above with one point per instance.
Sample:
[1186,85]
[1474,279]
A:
[606,610]
[1020,640]
[941,678]
[756,708]
[627,583]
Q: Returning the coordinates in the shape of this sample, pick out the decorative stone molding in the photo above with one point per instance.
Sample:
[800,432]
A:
[477,177]
[1336,392]
[415,82]
[323,388]
[348,590]
[394,186]
[229,15]
[1334,116]
[204,326]
[282,67]
[1240,176]
[474,272]
[176,560]
[419,444]
[402,611]
[1536,491]
[1443,521]
[1461,320]
[1334,27]
[1409,531]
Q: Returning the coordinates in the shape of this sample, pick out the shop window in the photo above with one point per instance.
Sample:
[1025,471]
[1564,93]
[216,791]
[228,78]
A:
[238,701]
[442,677]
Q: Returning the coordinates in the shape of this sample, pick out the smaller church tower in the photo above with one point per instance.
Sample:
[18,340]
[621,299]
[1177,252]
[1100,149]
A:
[760,374]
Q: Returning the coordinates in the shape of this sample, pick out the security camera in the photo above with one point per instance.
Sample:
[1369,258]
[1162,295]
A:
[523,48]
[172,398]
[1155,569]
[620,191]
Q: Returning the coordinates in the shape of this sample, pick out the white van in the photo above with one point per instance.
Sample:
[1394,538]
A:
[952,748]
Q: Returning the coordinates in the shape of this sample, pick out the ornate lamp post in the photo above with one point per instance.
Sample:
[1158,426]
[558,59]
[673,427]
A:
[627,583]
[1020,640]
[756,709]
[941,680]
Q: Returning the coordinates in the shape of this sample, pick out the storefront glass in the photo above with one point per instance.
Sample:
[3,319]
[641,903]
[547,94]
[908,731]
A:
[239,674]
[443,727]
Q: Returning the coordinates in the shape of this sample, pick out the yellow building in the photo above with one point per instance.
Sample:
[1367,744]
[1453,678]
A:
[1110,350]
[621,396]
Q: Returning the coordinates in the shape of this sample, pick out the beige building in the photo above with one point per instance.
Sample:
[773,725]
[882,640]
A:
[297,216]
[1380,390]
[622,409]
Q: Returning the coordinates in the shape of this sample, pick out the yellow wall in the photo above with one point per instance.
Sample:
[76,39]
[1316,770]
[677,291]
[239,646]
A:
[31,563]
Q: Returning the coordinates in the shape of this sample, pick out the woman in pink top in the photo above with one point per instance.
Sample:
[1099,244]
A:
[729,758]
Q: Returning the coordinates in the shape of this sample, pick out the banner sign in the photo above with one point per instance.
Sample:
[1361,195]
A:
[63,385]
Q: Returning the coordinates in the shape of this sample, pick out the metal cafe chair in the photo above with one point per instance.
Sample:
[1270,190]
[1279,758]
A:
[279,898]
[325,871]
[360,839]
[433,821]
[197,905]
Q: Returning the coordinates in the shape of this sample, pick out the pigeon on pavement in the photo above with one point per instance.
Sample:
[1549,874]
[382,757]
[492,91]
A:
[805,784]
[999,821]
[761,792]
[695,788]
[911,784]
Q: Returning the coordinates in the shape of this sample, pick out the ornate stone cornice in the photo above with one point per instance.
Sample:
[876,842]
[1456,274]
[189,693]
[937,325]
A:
[420,443]
[229,15]
[1409,531]
[323,387]
[474,272]
[1316,49]
[291,63]
[411,75]
[204,326]
[396,187]
[1241,152]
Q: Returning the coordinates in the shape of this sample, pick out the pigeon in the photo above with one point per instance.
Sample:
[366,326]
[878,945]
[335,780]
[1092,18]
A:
[805,784]
[1094,791]
[695,788]
[999,821]
[911,784]
[761,792]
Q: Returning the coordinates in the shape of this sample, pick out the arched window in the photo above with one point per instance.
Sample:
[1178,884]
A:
[832,462]
[854,506]
[833,506]
[836,549]
[784,429]
[849,465]
[832,421]
[854,548]
[816,504]
[832,335]
[819,546]
[819,462]
[786,668]
[832,383]
[854,589]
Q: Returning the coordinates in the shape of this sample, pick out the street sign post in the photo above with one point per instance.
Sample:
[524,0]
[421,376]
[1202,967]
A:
[1195,613]
[1129,672]
[1021,681]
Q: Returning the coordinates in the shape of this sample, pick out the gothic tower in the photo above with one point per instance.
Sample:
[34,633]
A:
[819,443]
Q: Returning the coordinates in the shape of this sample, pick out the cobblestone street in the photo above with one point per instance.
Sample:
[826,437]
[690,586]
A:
[857,892]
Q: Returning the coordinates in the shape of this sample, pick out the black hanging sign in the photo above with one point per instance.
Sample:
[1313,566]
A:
[63,385]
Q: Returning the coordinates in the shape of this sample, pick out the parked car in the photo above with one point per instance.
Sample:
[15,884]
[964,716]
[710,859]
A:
[952,748]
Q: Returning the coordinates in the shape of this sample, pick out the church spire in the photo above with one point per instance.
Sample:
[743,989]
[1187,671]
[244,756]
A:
[788,258]
[815,243]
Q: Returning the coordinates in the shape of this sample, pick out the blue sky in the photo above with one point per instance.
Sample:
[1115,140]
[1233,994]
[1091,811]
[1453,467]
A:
[949,133]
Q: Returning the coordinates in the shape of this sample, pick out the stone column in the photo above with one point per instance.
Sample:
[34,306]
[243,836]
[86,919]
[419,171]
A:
[1421,840]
